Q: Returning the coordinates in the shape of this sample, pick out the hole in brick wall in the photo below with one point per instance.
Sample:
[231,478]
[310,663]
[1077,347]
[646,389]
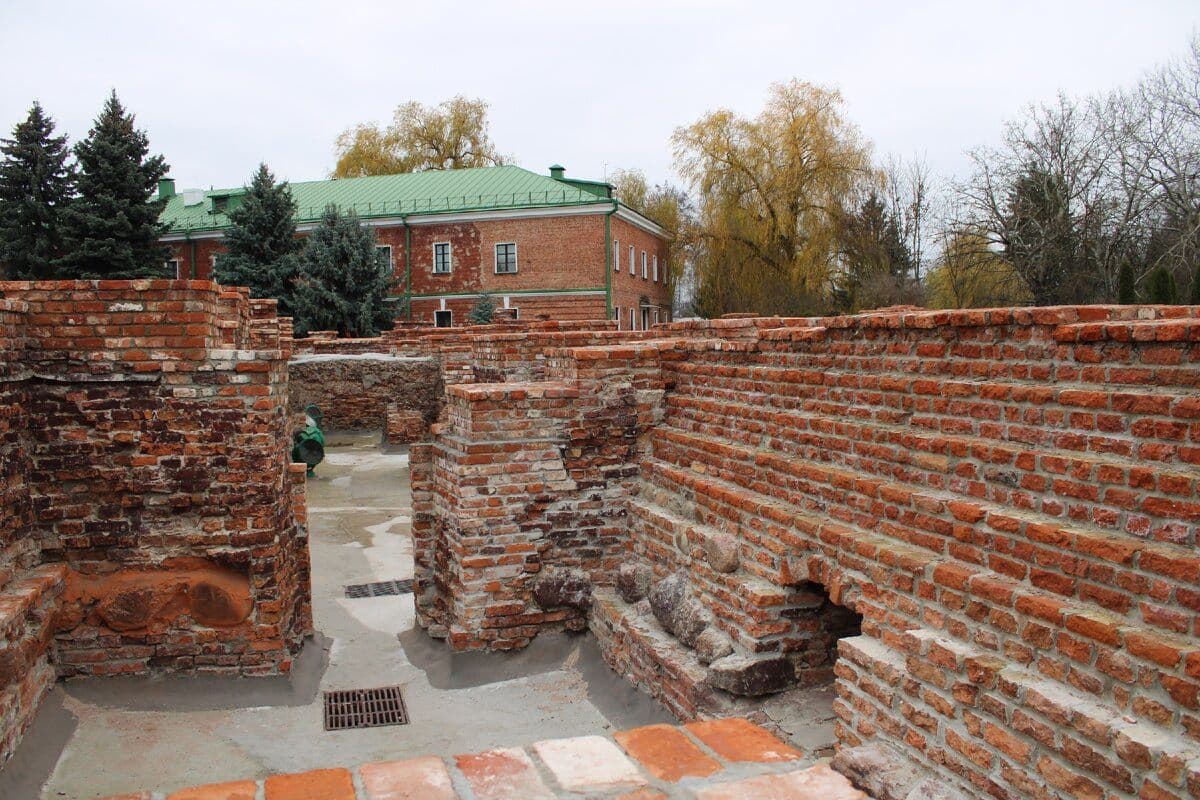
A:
[821,623]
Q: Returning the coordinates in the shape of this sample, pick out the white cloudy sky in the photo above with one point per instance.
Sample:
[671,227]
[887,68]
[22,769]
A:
[220,86]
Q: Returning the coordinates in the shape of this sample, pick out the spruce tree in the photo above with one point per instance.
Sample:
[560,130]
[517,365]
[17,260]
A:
[262,249]
[112,226]
[343,284]
[1161,289]
[484,310]
[1126,290]
[35,187]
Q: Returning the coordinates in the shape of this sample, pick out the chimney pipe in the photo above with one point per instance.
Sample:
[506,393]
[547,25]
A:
[166,188]
[557,172]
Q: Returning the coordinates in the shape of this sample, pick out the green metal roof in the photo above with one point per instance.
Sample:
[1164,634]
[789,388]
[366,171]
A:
[433,192]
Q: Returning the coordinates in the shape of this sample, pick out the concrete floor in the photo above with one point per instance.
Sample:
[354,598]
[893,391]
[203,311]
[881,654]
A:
[130,734]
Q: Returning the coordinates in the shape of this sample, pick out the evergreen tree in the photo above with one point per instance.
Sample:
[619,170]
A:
[343,283]
[873,253]
[1126,291]
[35,188]
[262,251]
[484,310]
[1161,288]
[112,227]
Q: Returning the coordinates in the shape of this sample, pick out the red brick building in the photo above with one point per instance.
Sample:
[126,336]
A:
[543,246]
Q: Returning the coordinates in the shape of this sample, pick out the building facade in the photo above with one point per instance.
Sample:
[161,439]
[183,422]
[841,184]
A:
[543,246]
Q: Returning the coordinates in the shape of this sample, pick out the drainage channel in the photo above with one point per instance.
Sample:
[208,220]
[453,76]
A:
[379,589]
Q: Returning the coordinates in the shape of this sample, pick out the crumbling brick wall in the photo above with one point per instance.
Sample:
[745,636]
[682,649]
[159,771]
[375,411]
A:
[354,391]
[1009,498]
[145,444]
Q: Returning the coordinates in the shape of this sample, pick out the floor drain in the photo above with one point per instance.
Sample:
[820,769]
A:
[364,708]
[381,589]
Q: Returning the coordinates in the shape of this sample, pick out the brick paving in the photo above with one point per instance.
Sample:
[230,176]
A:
[730,759]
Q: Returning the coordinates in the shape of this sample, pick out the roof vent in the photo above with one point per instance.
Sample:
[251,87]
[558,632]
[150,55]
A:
[192,197]
[166,188]
[558,172]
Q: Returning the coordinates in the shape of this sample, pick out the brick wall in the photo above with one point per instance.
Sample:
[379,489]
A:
[146,466]
[355,391]
[1008,498]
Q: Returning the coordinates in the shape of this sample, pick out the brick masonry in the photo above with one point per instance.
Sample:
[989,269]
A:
[151,520]
[356,391]
[727,760]
[1009,499]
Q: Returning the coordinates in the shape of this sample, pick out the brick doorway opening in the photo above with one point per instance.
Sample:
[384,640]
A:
[820,623]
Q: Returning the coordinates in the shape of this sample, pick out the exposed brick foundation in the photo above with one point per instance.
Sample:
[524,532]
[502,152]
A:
[1010,500]
[355,391]
[150,519]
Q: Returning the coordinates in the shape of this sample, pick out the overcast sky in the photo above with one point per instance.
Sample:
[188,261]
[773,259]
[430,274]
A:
[600,85]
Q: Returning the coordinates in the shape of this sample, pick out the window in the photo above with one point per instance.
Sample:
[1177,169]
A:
[644,265]
[632,319]
[506,258]
[441,258]
[645,318]
[443,319]
[175,267]
[656,269]
[632,262]
[384,253]
[616,255]
[617,316]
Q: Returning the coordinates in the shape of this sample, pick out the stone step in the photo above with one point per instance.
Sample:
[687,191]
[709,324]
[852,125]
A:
[914,374]
[1117,571]
[1060,717]
[1098,650]
[751,610]
[759,424]
[1003,719]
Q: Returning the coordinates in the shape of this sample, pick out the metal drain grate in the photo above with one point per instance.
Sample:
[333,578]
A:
[381,589]
[364,708]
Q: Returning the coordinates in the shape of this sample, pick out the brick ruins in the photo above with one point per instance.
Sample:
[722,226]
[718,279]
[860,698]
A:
[149,518]
[981,525]
[1004,502]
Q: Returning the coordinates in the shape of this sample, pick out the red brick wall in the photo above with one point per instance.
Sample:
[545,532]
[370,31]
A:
[629,289]
[1008,498]
[152,449]
[553,253]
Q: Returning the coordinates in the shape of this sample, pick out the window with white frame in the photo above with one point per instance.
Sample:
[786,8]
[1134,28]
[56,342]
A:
[506,258]
[645,272]
[175,267]
[384,253]
[616,314]
[632,319]
[632,261]
[441,258]
[616,255]
[656,269]
[443,319]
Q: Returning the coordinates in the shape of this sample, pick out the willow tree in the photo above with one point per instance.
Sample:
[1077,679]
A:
[450,135]
[772,192]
